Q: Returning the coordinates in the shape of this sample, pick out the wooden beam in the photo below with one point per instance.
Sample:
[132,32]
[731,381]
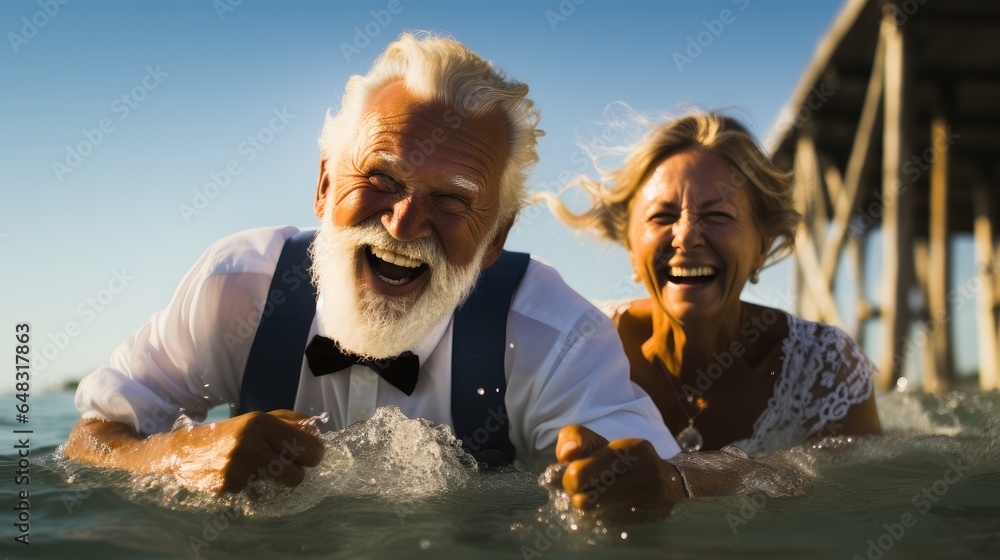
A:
[807,175]
[818,291]
[939,265]
[926,363]
[855,256]
[806,306]
[849,15]
[897,195]
[989,361]
[817,301]
[834,182]
[860,156]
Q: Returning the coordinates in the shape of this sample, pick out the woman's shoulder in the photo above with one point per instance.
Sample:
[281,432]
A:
[817,335]
[829,350]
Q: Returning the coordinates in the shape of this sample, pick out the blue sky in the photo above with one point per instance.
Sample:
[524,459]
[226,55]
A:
[118,115]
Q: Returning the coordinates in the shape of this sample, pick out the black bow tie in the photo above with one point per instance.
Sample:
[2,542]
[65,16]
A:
[324,356]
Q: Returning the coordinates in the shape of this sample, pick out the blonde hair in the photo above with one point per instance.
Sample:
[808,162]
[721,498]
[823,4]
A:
[445,70]
[771,193]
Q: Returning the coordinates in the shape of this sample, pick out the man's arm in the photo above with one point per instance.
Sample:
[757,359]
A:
[225,456]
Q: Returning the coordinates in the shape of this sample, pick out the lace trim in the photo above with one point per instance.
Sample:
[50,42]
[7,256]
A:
[823,374]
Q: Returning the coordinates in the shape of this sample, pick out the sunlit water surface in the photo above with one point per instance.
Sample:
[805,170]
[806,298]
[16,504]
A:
[392,488]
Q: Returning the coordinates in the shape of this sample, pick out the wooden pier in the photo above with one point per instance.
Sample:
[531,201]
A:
[895,128]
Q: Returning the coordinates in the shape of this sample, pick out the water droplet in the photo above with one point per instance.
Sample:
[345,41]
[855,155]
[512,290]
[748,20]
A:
[901,384]
[206,385]
[424,544]
[498,389]
[511,344]
[372,481]
[624,535]
[481,391]
[573,526]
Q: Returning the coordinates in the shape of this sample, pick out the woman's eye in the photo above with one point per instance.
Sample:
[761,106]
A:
[719,216]
[663,218]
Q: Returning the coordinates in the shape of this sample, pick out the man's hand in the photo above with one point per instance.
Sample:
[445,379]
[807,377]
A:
[225,456]
[625,479]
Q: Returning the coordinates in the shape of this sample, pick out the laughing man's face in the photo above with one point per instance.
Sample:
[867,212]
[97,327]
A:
[425,171]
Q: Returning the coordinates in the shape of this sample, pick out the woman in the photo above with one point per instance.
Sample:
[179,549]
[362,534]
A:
[701,209]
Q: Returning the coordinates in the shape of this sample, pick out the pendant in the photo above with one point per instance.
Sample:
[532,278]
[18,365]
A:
[690,438]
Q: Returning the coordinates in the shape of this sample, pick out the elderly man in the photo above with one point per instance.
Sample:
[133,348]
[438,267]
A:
[422,175]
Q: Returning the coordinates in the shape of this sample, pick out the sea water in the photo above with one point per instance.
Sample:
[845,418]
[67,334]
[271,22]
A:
[399,488]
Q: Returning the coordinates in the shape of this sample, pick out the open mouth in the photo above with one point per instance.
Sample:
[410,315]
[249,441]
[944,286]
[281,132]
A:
[692,275]
[392,268]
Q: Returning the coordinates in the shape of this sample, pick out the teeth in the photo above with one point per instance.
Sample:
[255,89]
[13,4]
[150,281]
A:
[691,272]
[396,259]
[399,282]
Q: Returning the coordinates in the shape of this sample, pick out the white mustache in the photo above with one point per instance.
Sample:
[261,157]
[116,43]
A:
[372,232]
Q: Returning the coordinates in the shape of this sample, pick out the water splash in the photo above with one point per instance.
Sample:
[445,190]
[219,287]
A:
[389,457]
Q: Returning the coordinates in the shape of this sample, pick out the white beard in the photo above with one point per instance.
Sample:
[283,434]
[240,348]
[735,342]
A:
[367,323]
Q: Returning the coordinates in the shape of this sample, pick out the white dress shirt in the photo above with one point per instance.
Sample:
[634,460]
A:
[564,363]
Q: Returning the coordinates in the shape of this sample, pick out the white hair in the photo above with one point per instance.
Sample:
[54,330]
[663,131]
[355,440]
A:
[442,69]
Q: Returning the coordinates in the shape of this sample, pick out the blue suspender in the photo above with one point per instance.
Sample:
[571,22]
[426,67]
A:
[271,377]
[478,381]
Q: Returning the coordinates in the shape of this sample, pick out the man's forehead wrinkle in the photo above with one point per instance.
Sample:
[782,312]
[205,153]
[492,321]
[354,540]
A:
[462,134]
[496,155]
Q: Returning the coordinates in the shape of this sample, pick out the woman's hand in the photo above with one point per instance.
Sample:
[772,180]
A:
[623,480]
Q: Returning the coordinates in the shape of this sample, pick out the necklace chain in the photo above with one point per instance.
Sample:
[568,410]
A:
[689,438]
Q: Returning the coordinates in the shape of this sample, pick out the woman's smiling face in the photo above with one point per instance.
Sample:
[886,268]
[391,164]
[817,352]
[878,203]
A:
[693,239]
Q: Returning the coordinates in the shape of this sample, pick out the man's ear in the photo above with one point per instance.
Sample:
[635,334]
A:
[321,189]
[496,245]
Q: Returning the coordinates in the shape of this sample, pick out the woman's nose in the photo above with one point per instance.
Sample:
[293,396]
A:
[687,232]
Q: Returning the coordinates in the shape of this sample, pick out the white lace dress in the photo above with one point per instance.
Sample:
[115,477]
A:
[823,374]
